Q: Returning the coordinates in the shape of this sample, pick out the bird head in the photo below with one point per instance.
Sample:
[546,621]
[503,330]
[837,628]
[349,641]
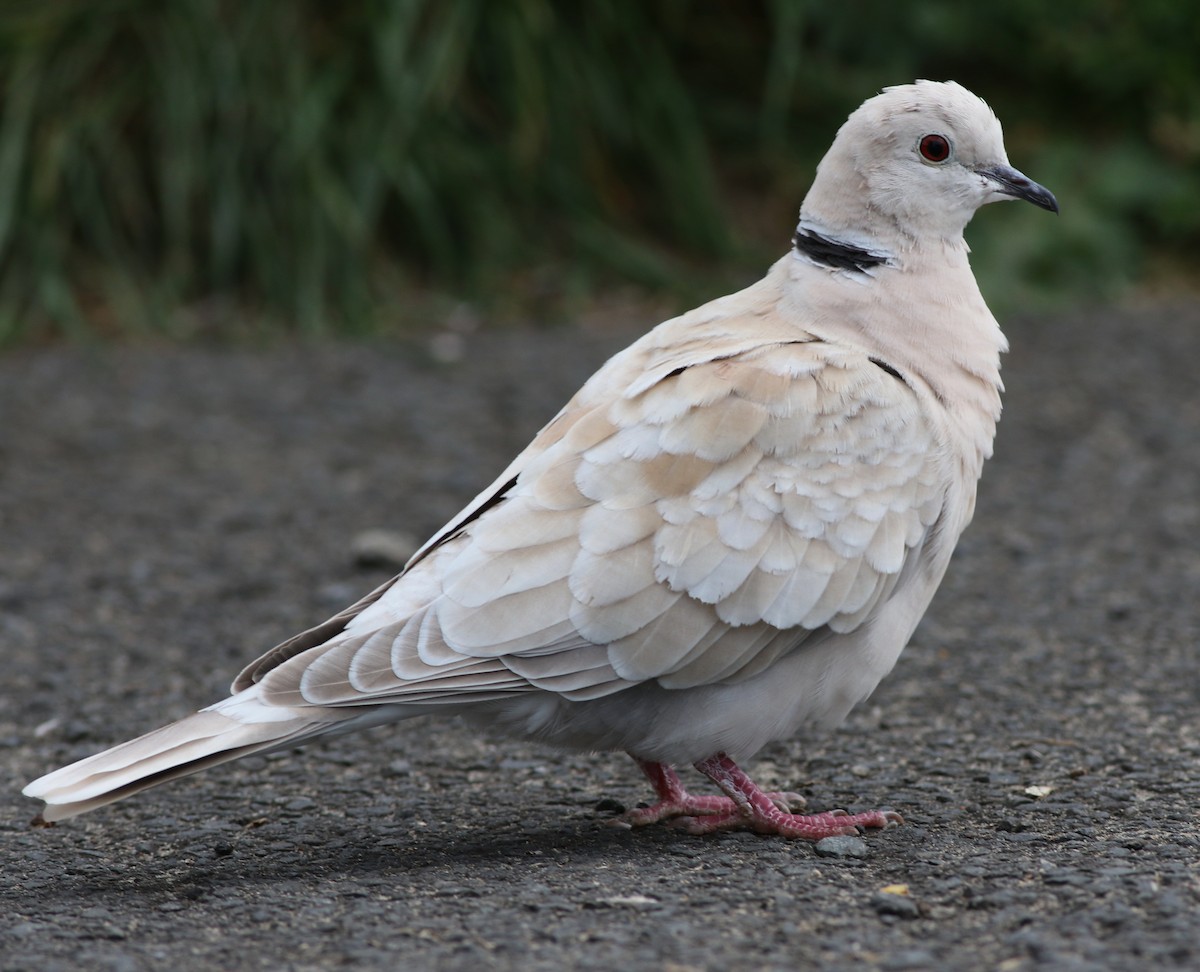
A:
[913,164]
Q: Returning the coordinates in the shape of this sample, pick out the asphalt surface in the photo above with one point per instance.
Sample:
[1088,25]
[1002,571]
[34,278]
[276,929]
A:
[168,513]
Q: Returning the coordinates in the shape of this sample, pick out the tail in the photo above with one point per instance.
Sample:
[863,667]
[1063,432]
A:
[236,727]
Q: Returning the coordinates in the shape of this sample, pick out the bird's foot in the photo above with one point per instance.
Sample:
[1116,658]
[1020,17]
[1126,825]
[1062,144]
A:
[814,826]
[744,806]
[674,801]
[757,811]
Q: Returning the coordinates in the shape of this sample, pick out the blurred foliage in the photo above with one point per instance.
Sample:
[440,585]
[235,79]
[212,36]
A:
[322,165]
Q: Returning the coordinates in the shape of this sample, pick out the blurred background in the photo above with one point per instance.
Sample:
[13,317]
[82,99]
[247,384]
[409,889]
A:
[223,169]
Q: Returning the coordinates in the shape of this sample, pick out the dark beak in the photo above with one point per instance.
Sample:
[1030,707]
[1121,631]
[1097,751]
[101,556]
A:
[1013,183]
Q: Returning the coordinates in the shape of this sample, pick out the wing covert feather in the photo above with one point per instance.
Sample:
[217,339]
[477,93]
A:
[711,515]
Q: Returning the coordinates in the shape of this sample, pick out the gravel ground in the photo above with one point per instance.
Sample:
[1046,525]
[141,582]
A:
[167,513]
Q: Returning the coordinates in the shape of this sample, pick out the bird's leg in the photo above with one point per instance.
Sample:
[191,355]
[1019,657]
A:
[757,811]
[675,801]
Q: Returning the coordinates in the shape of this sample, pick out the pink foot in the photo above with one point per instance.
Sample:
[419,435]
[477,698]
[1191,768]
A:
[755,810]
[675,801]
[744,807]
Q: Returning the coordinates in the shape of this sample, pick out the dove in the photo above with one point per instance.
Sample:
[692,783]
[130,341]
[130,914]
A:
[727,536]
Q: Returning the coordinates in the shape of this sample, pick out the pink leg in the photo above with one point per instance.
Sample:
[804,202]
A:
[675,801]
[755,810]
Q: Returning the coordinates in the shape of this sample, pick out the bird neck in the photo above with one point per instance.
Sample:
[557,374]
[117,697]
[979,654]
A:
[920,311]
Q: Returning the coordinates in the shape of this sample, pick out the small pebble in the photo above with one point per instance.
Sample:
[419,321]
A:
[842,846]
[899,905]
[637,902]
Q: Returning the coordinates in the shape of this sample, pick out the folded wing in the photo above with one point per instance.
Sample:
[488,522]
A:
[689,526]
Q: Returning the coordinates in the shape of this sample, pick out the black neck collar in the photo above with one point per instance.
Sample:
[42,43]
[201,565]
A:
[834,254]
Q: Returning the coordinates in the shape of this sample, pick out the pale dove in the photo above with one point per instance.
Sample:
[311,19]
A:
[729,533]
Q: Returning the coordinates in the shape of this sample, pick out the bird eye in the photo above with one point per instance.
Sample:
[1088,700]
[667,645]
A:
[935,148]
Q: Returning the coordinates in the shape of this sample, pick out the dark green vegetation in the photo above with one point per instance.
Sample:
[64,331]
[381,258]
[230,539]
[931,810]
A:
[319,166]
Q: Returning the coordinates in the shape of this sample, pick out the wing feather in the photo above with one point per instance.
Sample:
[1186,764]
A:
[688,519]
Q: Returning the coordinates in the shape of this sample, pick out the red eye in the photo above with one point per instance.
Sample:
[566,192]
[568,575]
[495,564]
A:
[935,148]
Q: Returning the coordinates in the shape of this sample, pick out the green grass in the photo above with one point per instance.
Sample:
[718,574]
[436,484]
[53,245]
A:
[173,167]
